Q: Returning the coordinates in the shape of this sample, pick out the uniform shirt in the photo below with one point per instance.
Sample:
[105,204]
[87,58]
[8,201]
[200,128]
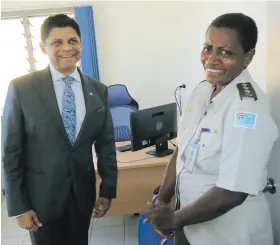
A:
[78,93]
[237,136]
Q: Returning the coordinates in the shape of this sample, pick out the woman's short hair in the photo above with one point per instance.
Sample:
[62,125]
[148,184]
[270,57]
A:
[244,25]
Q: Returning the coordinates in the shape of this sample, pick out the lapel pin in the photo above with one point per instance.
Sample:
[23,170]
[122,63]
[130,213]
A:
[91,94]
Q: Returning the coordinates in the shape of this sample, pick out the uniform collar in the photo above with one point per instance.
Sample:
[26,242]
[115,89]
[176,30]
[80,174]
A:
[243,77]
[57,76]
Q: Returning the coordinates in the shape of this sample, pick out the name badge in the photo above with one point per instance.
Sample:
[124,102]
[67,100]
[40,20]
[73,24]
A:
[189,156]
[193,154]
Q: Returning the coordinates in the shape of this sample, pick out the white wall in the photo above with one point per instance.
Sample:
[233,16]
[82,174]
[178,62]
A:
[273,91]
[152,47]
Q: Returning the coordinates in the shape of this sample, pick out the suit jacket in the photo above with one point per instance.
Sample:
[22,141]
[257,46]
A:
[40,165]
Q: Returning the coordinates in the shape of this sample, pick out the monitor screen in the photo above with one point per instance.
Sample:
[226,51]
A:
[154,126]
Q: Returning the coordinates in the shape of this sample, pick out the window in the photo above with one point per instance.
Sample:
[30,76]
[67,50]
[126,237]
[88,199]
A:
[41,60]
[21,52]
[14,54]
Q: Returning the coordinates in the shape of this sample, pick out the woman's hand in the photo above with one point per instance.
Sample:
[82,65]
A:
[163,219]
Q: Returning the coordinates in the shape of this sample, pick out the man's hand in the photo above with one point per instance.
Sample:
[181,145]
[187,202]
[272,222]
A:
[101,207]
[29,221]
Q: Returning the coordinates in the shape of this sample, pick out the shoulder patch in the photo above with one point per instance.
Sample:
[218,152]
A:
[245,119]
[246,90]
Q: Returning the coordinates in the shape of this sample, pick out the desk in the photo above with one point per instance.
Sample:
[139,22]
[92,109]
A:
[138,175]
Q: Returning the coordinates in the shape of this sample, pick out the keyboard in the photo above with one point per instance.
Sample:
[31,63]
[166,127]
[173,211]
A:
[123,148]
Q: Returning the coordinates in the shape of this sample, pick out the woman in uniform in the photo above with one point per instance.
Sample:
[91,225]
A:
[225,138]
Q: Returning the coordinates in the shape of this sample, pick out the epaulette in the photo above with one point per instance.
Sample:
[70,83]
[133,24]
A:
[203,81]
[246,90]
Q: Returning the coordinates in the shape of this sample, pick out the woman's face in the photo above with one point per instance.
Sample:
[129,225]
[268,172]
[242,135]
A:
[223,57]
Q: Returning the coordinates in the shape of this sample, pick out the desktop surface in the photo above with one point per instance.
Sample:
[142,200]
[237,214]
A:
[138,176]
[136,159]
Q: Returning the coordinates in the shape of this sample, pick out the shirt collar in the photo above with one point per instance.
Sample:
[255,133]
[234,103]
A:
[243,77]
[57,76]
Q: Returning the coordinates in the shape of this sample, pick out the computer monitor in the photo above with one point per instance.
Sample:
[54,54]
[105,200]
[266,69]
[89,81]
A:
[154,126]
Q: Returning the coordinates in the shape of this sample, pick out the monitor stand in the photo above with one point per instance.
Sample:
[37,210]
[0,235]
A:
[161,148]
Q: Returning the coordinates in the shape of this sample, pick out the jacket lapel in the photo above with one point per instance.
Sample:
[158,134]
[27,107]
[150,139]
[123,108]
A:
[92,104]
[47,94]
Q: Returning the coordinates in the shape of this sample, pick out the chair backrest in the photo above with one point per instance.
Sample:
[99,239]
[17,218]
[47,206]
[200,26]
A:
[121,105]
[121,121]
[119,96]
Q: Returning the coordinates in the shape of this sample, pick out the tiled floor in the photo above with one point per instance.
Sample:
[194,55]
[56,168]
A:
[121,230]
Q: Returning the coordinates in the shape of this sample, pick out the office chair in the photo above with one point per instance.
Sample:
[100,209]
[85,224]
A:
[146,233]
[121,104]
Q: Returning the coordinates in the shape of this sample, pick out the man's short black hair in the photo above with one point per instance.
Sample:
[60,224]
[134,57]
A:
[244,25]
[59,20]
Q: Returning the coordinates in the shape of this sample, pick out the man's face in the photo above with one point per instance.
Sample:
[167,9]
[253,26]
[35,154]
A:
[63,46]
[223,57]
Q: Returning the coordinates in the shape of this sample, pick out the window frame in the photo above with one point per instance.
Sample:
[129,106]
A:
[35,13]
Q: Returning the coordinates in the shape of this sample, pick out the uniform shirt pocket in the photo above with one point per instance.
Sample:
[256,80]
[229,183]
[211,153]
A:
[209,151]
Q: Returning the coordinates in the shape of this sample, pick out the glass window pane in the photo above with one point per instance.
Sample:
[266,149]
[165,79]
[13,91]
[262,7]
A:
[14,54]
[41,60]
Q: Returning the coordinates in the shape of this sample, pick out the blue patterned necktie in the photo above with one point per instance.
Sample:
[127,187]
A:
[69,109]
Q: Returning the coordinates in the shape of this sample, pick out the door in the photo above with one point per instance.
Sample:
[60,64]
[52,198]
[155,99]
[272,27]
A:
[273,92]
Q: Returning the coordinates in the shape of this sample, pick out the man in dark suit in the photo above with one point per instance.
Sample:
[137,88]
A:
[50,122]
